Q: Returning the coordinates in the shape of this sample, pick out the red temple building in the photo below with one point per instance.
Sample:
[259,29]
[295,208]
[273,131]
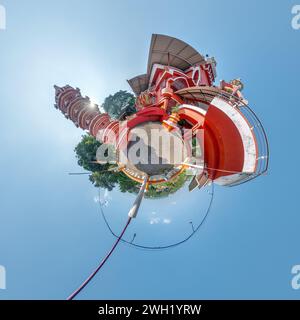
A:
[178,92]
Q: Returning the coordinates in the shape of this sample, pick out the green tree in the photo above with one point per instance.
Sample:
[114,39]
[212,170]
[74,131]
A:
[120,103]
[107,180]
[162,190]
[126,184]
[86,153]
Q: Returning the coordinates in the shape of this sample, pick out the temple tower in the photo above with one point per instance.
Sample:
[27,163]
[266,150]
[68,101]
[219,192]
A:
[85,115]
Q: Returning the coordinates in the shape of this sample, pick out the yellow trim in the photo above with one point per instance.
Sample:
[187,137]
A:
[149,182]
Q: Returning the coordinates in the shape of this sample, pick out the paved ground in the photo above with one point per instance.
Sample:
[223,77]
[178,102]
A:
[153,150]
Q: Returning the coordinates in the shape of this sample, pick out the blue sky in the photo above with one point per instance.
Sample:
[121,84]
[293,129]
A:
[51,231]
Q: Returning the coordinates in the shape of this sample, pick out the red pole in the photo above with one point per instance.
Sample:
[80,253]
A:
[75,293]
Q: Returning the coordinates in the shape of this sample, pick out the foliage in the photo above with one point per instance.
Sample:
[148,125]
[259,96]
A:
[164,189]
[126,184]
[86,153]
[119,103]
[100,177]
[107,180]
[175,109]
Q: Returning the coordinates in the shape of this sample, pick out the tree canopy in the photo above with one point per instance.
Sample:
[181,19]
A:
[86,153]
[100,176]
[122,102]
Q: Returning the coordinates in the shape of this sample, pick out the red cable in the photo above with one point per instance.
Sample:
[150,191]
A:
[75,293]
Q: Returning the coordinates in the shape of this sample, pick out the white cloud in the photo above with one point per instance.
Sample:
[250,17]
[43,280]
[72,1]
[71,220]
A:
[104,203]
[96,199]
[104,199]
[154,220]
[107,195]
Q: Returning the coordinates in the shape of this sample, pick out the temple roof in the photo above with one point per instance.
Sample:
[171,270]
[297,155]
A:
[166,50]
[171,51]
[139,84]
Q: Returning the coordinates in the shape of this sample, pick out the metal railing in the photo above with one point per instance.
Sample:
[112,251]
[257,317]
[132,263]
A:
[259,132]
